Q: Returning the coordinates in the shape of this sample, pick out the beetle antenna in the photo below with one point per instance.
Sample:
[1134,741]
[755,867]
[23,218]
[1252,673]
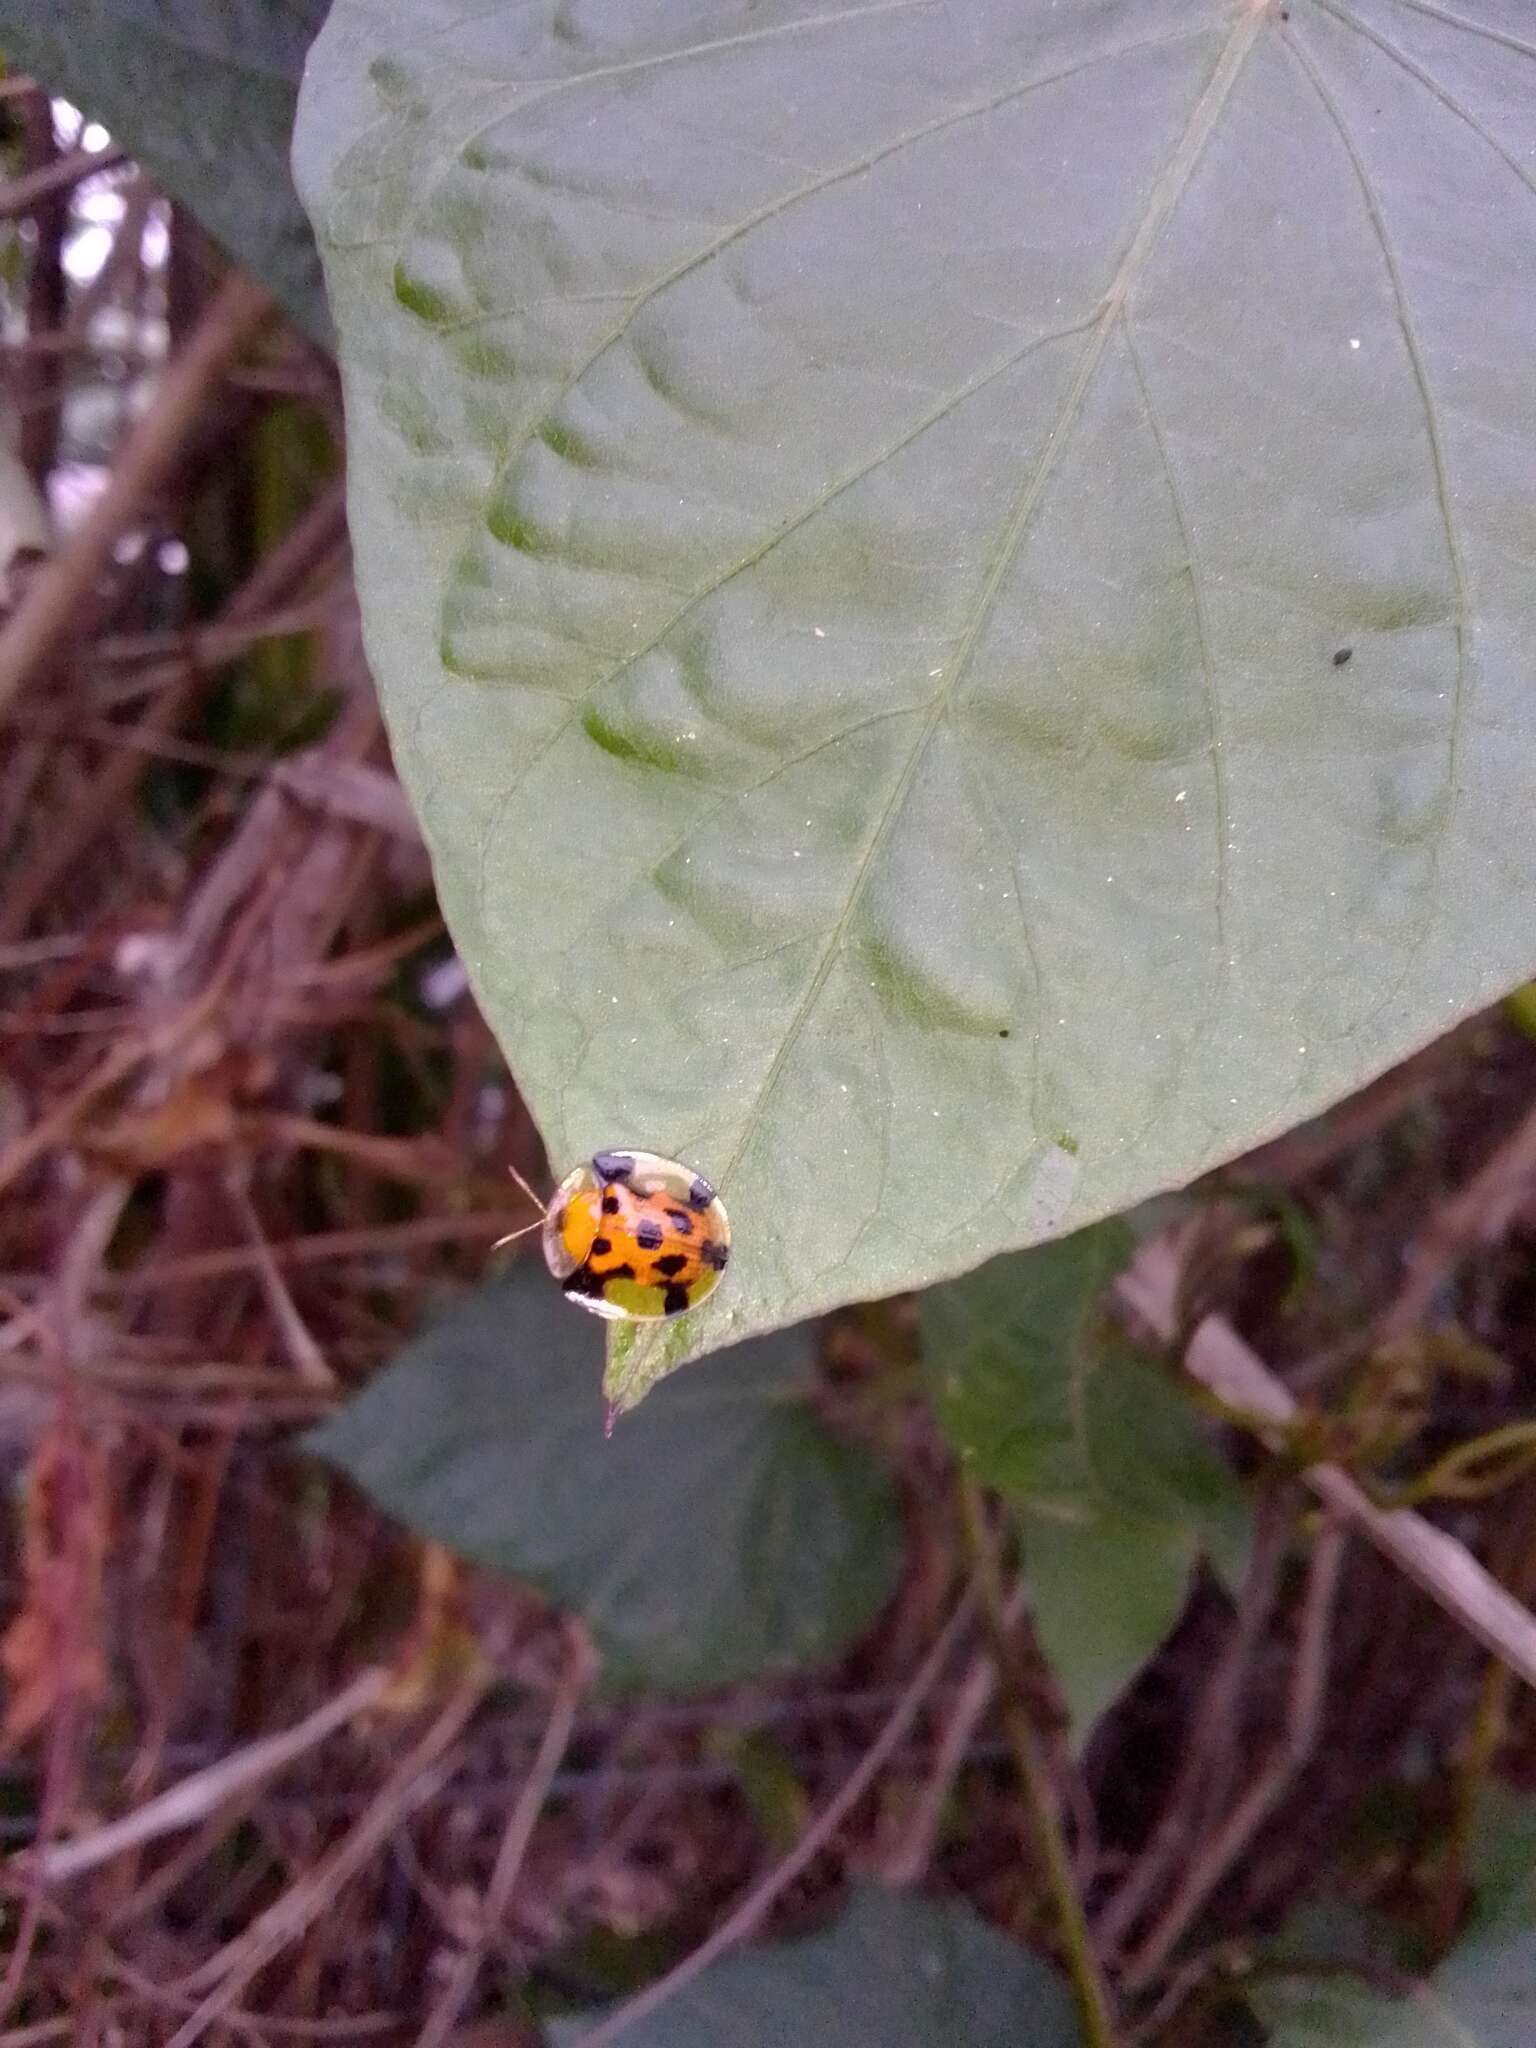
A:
[528,1191]
[513,1235]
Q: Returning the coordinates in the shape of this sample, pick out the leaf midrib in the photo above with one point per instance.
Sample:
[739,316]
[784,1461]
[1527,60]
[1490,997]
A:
[636,304]
[1164,199]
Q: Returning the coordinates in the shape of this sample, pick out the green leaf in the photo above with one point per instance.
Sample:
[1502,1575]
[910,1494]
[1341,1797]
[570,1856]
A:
[1503,1859]
[1116,1489]
[769,1782]
[203,97]
[1104,1595]
[1482,1996]
[723,1534]
[1009,1353]
[953,583]
[893,1972]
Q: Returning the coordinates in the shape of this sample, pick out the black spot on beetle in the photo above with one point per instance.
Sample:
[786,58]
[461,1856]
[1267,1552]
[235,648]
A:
[1342,656]
[673,1264]
[716,1255]
[674,1301]
[613,1165]
[701,1194]
[611,1205]
[681,1222]
[649,1233]
[585,1281]
[601,1246]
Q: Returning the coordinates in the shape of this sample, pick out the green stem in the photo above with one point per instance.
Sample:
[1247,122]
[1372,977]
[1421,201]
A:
[1503,1453]
[1089,1987]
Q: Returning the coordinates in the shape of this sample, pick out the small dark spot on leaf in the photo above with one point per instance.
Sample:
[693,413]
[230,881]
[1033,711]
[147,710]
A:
[1002,1034]
[1342,656]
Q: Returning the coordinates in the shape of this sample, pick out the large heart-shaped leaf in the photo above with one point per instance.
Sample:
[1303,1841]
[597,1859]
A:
[721,1535]
[892,1972]
[953,579]
[203,95]
[1116,1490]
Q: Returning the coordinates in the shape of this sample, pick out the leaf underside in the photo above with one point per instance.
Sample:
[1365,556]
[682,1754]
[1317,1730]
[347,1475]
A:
[953,582]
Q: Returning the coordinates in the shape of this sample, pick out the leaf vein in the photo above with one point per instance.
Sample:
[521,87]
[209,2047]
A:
[636,305]
[736,795]
[1430,83]
[1474,28]
[1214,733]
[1443,493]
[950,403]
[1165,196]
[990,804]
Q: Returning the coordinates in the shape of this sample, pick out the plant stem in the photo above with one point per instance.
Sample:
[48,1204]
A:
[1089,1986]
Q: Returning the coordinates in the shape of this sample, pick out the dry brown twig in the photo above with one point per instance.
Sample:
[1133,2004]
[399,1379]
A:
[24,195]
[346,789]
[206,1792]
[577,1678]
[1479,1212]
[314,546]
[913,1854]
[1236,1833]
[39,407]
[748,1914]
[305,1355]
[223,639]
[1210,1743]
[1445,1569]
[408,1786]
[51,608]
[55,1126]
[321,1248]
[67,1580]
